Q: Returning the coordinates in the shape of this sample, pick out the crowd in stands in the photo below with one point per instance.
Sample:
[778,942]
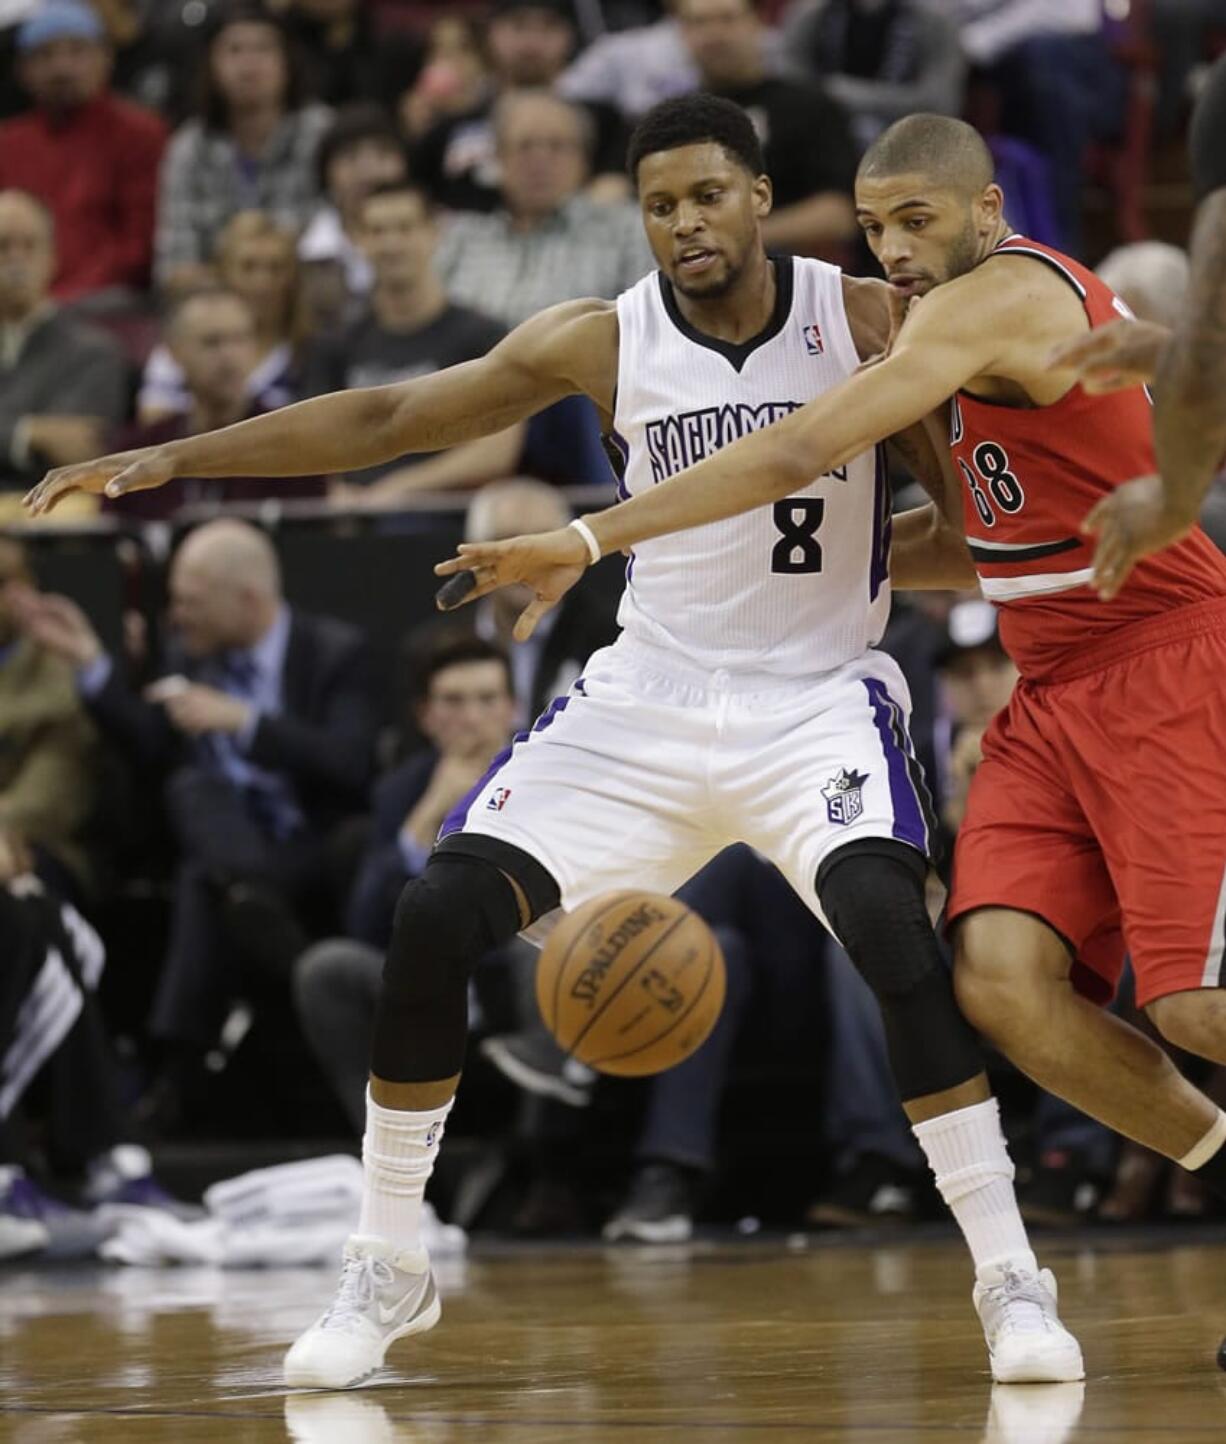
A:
[212,208]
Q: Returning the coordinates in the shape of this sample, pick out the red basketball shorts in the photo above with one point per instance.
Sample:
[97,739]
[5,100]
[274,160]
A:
[1100,807]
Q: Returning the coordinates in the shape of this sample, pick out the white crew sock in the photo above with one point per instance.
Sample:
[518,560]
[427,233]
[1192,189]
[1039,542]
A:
[974,1173]
[398,1153]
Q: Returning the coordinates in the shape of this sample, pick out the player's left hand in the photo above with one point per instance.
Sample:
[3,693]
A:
[548,563]
[1135,520]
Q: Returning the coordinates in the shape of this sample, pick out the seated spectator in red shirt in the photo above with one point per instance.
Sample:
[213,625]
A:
[211,334]
[91,157]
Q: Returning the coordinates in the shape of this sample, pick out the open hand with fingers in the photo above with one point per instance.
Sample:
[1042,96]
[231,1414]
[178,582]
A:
[1113,357]
[548,564]
[1135,520]
[112,476]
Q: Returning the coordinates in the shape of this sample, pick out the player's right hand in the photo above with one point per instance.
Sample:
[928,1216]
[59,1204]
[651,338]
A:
[1113,357]
[548,563]
[113,475]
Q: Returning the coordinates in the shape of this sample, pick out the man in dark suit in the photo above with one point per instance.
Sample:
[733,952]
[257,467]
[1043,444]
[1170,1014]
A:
[464,709]
[261,723]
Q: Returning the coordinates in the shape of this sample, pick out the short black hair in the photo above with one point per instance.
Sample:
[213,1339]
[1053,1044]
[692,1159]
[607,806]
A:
[404,187]
[356,125]
[946,150]
[455,648]
[691,120]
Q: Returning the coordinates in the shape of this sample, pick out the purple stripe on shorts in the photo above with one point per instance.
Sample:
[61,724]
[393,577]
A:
[458,816]
[908,814]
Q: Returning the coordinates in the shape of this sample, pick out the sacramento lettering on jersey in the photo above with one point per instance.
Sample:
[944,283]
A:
[676,442]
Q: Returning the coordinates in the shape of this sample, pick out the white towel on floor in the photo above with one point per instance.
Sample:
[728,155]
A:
[292,1215]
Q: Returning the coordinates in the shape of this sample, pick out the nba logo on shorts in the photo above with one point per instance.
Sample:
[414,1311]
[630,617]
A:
[814,344]
[498,799]
[844,797]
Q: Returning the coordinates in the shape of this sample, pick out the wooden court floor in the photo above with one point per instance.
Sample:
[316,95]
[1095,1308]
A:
[759,1342]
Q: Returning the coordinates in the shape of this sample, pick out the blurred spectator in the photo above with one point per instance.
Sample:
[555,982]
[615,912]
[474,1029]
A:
[252,146]
[62,384]
[527,43]
[463,708]
[347,58]
[262,723]
[880,59]
[156,44]
[632,70]
[1150,277]
[412,329]
[806,139]
[551,659]
[549,243]
[57,1067]
[255,259]
[359,154]
[212,341]
[89,156]
[453,79]
[977,679]
[48,759]
[1058,84]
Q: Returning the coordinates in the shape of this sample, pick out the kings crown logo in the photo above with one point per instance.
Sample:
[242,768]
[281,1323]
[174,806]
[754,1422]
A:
[844,796]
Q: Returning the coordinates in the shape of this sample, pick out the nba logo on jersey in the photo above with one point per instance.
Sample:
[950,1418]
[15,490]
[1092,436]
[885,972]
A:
[844,796]
[498,799]
[814,344]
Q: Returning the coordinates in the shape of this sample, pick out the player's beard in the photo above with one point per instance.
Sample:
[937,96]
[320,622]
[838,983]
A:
[715,289]
[963,254]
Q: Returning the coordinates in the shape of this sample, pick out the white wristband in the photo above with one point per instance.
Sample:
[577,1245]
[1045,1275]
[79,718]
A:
[589,537]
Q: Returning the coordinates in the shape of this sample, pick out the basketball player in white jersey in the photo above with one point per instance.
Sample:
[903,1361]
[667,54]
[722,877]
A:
[742,702]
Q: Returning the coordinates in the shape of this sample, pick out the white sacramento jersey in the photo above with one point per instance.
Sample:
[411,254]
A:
[794,588]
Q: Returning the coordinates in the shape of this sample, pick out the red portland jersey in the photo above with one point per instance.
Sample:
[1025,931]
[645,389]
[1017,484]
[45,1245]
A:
[1030,476]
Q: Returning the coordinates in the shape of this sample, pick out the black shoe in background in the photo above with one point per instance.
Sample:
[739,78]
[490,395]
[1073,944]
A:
[873,1190]
[534,1062]
[659,1206]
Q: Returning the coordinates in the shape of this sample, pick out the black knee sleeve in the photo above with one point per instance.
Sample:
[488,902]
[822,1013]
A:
[446,920]
[873,896]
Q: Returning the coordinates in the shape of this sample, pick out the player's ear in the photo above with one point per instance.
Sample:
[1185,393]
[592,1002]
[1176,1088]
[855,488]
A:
[763,197]
[990,207]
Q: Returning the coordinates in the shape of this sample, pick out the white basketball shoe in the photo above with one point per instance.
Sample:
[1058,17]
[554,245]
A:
[383,1295]
[1027,1343]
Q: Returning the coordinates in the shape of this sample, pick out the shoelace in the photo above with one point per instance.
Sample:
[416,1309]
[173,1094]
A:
[360,1278]
[1030,1293]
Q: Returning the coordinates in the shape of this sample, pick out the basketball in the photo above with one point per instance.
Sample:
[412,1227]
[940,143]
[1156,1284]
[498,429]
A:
[631,983]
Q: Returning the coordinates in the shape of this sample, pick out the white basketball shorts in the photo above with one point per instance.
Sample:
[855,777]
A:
[643,771]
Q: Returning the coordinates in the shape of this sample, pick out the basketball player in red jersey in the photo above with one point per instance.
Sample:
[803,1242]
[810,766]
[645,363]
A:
[1097,820]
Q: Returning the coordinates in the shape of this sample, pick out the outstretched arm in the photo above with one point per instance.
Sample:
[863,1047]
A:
[959,332]
[1190,388]
[567,349]
[945,342]
[1152,512]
